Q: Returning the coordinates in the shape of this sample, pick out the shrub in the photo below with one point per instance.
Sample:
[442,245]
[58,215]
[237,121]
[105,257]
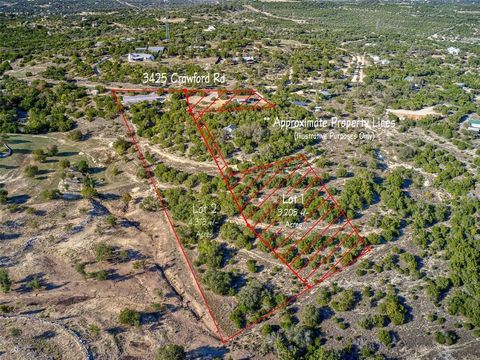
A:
[5,282]
[3,196]
[75,135]
[121,146]
[171,352]
[218,281]
[111,220]
[82,166]
[267,329]
[80,268]
[31,171]
[50,194]
[103,252]
[52,150]
[395,311]
[89,192]
[310,316]
[101,275]
[440,337]
[385,337]
[150,204]
[64,163]
[126,198]
[4,309]
[15,332]
[252,266]
[448,338]
[345,301]
[39,155]
[34,284]
[129,317]
[141,173]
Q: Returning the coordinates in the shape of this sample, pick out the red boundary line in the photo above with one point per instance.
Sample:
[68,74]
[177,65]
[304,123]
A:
[167,214]
[308,286]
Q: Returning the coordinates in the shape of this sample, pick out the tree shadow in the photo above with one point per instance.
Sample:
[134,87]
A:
[23,151]
[5,262]
[18,141]
[150,317]
[114,276]
[8,167]
[129,223]
[24,288]
[18,199]
[110,196]
[238,282]
[116,330]
[33,312]
[136,255]
[10,236]
[67,153]
[71,197]
[208,352]
[96,170]
[49,334]
[326,313]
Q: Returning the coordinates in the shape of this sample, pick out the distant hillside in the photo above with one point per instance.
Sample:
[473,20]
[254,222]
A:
[46,7]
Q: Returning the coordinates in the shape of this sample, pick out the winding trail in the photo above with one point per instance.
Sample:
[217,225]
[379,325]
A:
[82,343]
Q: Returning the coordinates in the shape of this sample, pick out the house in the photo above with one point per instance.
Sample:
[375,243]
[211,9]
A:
[300,103]
[229,129]
[326,94]
[473,121]
[210,28]
[249,59]
[135,99]
[453,50]
[137,57]
[241,100]
[155,50]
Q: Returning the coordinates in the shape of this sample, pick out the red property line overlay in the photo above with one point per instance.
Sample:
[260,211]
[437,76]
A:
[334,269]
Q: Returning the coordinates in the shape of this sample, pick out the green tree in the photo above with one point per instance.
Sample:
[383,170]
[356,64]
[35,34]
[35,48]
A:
[31,171]
[171,352]
[310,316]
[345,301]
[385,337]
[39,155]
[103,252]
[129,317]
[5,282]
[34,284]
[50,194]
[395,311]
[52,150]
[218,281]
[3,196]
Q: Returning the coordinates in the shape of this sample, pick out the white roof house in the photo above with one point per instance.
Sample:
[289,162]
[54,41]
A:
[135,99]
[229,129]
[453,50]
[248,59]
[134,57]
[210,28]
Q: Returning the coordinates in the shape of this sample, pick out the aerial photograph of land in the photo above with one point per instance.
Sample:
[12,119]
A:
[239,179]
